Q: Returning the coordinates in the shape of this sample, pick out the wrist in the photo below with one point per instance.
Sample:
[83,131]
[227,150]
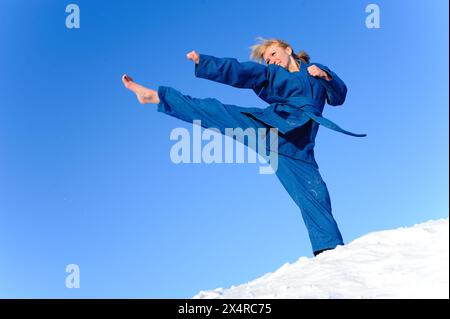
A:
[327,77]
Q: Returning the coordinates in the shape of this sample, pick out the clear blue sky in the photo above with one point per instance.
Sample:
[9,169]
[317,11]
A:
[85,172]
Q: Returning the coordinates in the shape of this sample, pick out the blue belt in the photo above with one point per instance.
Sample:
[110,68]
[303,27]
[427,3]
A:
[288,114]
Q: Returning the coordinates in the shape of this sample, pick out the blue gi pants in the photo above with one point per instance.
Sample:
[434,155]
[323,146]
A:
[301,179]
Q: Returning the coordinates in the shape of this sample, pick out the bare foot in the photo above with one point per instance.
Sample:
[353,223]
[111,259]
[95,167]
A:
[143,94]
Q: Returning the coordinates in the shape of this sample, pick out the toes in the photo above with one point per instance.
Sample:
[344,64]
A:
[126,78]
[129,84]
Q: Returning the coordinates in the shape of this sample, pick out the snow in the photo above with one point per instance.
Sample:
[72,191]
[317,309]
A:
[402,263]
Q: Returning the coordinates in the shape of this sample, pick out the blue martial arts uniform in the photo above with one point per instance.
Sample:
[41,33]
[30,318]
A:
[296,101]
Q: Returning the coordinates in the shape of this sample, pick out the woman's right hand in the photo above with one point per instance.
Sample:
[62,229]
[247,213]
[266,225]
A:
[193,56]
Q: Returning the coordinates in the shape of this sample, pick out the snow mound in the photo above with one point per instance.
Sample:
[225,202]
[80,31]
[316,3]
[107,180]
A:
[408,262]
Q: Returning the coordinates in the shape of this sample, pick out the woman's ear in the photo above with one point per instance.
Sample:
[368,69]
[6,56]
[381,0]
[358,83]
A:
[288,50]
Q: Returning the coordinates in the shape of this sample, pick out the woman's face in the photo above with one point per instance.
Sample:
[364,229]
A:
[275,54]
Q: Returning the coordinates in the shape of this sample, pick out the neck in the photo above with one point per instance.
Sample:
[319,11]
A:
[294,66]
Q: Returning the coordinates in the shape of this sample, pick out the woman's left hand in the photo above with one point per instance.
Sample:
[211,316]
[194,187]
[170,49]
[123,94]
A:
[315,71]
[193,56]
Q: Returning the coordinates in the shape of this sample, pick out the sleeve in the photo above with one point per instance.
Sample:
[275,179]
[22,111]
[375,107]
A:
[336,89]
[249,75]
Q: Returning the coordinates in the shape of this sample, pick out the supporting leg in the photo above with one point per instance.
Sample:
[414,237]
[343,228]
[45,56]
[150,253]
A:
[304,184]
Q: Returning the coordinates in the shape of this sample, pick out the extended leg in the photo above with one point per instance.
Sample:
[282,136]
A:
[306,187]
[211,112]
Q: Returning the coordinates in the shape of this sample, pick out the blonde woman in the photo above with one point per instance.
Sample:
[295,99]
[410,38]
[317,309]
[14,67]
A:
[296,92]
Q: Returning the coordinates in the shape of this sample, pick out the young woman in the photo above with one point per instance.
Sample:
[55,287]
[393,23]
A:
[296,92]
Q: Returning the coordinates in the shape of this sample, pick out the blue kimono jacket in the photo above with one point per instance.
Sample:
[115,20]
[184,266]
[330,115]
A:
[296,99]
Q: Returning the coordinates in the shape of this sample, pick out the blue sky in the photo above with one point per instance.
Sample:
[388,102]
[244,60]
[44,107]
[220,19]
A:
[85,172]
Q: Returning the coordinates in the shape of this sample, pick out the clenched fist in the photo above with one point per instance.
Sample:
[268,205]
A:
[315,71]
[193,56]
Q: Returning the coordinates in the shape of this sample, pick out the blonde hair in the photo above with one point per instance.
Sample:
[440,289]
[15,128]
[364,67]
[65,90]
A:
[259,49]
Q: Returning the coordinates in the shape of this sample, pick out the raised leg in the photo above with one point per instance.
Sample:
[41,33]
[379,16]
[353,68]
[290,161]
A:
[211,112]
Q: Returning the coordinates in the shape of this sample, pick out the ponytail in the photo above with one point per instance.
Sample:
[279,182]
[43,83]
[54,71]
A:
[302,56]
